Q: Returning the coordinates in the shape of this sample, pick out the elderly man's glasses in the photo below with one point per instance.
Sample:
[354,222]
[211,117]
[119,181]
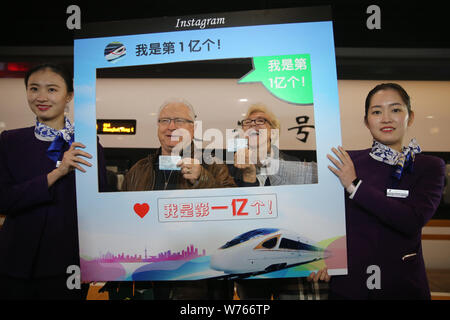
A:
[177,121]
[257,122]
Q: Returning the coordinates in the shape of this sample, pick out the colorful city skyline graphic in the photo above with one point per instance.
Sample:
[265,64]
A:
[191,252]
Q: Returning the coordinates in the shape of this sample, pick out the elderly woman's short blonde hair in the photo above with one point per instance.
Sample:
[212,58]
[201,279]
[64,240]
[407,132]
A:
[259,107]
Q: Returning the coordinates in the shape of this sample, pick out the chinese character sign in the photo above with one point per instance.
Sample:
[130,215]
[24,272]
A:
[262,206]
[287,77]
[170,47]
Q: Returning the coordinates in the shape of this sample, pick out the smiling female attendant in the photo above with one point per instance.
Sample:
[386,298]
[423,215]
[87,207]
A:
[39,238]
[392,191]
[259,125]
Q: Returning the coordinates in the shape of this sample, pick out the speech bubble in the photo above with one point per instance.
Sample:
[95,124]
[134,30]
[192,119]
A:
[287,77]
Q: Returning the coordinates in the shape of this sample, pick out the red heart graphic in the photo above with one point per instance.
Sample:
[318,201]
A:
[141,209]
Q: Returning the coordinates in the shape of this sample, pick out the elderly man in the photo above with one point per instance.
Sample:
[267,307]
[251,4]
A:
[175,133]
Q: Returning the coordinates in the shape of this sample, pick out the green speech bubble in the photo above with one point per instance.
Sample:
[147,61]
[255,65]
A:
[287,77]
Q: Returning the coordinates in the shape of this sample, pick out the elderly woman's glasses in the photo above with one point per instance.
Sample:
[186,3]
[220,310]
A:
[177,121]
[257,122]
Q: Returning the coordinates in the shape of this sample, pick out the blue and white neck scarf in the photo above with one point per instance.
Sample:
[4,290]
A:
[401,160]
[59,138]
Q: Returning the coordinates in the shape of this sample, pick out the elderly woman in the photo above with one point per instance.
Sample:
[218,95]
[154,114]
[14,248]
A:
[261,163]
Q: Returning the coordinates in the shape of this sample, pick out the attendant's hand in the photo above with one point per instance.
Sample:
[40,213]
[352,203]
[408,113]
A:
[242,161]
[345,170]
[71,160]
[190,169]
[321,275]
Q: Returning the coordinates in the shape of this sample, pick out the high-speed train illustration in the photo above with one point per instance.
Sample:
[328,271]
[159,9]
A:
[115,51]
[265,250]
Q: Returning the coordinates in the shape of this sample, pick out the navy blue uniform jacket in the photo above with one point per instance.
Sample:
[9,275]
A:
[386,232]
[39,237]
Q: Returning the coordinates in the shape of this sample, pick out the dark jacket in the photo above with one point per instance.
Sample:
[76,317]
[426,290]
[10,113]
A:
[142,176]
[39,237]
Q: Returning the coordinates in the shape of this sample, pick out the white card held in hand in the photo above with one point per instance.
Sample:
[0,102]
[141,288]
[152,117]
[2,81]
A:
[234,145]
[169,162]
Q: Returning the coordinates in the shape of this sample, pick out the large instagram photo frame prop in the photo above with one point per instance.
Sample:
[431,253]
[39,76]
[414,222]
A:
[187,234]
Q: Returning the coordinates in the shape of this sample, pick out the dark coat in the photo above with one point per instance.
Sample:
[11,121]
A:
[386,232]
[142,176]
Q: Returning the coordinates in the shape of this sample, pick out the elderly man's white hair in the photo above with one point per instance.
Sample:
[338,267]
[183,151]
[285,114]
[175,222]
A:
[192,114]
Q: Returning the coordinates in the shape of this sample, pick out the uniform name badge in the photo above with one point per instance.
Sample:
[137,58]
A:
[397,193]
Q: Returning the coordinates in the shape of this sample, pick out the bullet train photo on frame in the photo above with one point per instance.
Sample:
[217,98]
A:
[265,250]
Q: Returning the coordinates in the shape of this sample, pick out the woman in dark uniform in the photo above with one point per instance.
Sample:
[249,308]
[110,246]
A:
[392,192]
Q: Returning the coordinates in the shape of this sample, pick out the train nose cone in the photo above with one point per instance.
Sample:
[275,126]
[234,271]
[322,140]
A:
[217,261]
[222,260]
